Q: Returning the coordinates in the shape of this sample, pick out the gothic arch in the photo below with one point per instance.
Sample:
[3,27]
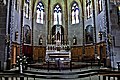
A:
[53,11]
[53,34]
[36,3]
[73,3]
[70,10]
[40,13]
[34,9]
[79,4]
[55,6]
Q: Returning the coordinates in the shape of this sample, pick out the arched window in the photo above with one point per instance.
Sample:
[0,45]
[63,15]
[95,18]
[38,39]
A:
[89,8]
[57,15]
[99,6]
[27,2]
[40,13]
[75,13]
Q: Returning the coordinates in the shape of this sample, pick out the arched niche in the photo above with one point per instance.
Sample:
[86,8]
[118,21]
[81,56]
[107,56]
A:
[57,34]
[27,34]
[89,34]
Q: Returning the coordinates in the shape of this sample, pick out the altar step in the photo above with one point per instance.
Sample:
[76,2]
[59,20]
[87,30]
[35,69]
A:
[60,74]
[64,66]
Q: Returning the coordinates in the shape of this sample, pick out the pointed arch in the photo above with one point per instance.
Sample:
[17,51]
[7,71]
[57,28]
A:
[40,13]
[57,14]
[75,13]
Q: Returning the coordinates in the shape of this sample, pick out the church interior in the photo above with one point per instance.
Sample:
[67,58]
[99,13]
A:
[55,29]
[65,30]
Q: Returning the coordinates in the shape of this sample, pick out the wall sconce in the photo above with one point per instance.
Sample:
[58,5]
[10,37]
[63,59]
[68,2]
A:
[40,41]
[16,36]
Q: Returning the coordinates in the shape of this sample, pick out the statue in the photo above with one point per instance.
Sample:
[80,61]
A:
[58,35]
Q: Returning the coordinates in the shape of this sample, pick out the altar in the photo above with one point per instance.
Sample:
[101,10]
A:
[53,55]
[58,50]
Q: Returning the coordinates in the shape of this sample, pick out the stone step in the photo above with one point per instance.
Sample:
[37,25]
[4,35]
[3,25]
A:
[61,74]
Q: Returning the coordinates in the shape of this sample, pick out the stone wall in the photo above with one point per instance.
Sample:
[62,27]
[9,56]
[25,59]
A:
[115,30]
[3,13]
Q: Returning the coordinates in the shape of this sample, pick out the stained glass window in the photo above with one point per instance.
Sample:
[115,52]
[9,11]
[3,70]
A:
[89,8]
[57,15]
[40,13]
[75,13]
[27,2]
